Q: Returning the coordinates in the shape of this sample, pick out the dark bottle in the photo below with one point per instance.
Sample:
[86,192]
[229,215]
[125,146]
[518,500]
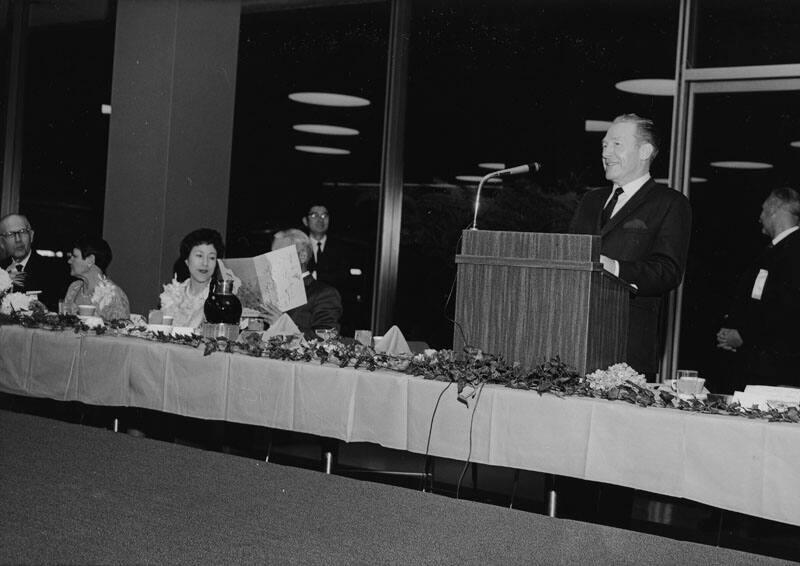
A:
[222,305]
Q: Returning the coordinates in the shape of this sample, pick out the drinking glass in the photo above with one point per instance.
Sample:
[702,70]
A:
[326,334]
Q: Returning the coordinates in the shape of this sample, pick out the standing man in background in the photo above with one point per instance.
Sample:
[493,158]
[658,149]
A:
[644,229]
[764,321]
[339,263]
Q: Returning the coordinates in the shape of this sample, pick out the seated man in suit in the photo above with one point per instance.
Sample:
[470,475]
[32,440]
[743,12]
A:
[764,321]
[324,306]
[644,229]
[29,271]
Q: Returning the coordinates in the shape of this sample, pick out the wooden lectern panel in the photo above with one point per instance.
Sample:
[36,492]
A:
[529,297]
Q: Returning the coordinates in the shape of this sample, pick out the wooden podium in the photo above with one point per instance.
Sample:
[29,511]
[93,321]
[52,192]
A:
[530,296]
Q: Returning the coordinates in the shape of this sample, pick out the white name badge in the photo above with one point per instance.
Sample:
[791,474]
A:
[758,286]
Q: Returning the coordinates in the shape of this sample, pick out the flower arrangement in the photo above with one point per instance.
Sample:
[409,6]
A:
[615,376]
[15,303]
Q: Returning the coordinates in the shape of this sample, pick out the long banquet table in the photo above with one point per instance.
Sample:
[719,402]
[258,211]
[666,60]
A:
[742,465]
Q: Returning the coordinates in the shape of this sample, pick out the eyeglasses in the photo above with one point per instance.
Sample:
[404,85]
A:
[316,215]
[13,235]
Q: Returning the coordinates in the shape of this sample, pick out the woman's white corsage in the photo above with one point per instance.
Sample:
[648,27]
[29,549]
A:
[15,302]
[104,293]
[172,296]
[5,282]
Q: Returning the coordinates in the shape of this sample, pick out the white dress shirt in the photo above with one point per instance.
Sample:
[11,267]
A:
[783,234]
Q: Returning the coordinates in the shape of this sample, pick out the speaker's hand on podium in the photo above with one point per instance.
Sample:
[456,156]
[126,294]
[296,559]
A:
[610,265]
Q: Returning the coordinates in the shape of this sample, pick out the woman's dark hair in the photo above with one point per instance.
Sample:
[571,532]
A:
[98,247]
[199,237]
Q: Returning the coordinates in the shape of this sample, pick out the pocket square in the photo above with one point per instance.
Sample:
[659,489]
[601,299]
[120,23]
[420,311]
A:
[635,224]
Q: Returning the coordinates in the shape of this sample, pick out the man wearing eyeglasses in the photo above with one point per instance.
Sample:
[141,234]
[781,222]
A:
[29,271]
[339,263]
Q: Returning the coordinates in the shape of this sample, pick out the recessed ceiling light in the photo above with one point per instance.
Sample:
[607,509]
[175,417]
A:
[597,125]
[741,165]
[496,166]
[329,99]
[795,144]
[322,150]
[476,179]
[653,87]
[693,180]
[325,129]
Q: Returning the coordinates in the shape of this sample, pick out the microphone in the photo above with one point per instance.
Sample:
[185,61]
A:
[533,166]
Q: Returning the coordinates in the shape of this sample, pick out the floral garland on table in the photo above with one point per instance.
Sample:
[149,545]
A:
[619,382]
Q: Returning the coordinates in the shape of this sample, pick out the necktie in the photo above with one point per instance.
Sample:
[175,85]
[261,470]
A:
[19,267]
[319,250]
[606,215]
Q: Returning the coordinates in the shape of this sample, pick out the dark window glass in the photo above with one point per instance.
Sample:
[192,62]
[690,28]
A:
[743,32]
[70,53]
[513,81]
[340,50]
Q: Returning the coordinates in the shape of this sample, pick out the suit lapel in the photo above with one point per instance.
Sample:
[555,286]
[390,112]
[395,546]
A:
[626,210]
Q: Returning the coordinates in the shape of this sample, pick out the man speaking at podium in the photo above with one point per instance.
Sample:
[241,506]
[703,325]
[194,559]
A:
[644,229]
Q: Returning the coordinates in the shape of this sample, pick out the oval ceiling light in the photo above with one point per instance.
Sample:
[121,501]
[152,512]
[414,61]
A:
[741,165]
[693,180]
[329,99]
[653,87]
[322,150]
[325,129]
[476,179]
[494,166]
[597,125]
[795,143]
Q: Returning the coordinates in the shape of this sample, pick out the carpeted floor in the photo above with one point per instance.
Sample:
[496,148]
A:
[75,494]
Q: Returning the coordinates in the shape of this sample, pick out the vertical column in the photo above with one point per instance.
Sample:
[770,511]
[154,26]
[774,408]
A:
[169,151]
[391,197]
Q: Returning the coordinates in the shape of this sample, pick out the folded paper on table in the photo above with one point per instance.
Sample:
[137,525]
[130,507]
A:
[768,397]
[393,342]
[274,277]
[284,326]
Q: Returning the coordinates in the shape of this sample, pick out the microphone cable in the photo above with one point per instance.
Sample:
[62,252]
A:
[430,433]
[469,453]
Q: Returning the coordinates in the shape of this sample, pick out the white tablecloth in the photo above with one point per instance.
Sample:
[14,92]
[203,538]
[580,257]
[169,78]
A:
[748,466]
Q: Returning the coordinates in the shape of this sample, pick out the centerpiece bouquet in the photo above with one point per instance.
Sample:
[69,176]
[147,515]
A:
[12,303]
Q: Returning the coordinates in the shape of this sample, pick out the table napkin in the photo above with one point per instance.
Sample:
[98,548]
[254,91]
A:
[393,342]
[284,326]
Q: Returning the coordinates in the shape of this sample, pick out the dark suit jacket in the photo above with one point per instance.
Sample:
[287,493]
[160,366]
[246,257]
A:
[649,237]
[323,309]
[334,263]
[50,276]
[770,327]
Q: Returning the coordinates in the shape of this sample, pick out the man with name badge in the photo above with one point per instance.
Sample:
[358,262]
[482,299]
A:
[764,322]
